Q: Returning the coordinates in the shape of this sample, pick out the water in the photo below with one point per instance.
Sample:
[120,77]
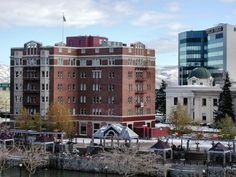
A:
[15,172]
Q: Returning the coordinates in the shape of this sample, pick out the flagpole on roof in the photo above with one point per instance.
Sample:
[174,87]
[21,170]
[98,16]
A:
[62,33]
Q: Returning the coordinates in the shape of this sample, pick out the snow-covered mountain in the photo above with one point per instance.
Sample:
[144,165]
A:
[4,73]
[166,73]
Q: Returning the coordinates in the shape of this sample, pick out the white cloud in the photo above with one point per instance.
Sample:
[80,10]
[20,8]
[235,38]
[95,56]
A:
[153,18]
[168,74]
[49,13]
[173,7]
[163,44]
[168,42]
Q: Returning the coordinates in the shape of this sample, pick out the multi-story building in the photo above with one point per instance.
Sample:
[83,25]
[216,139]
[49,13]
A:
[101,84]
[199,97]
[213,48]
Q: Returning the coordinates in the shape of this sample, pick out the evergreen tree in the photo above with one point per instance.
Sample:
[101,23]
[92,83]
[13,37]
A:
[161,98]
[225,106]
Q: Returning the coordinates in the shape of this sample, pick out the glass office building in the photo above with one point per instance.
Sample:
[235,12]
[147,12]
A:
[213,48]
[192,53]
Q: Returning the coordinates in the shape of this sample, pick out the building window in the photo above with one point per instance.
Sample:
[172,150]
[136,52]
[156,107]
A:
[130,61]
[97,74]
[130,112]
[111,74]
[130,87]
[148,99]
[204,102]
[82,99]
[111,100]
[111,50]
[97,111]
[111,61]
[96,87]
[83,51]
[185,101]
[130,74]
[43,86]
[83,128]
[130,99]
[203,116]
[60,99]
[111,87]
[59,87]
[148,111]
[60,61]
[82,111]
[215,102]
[73,87]
[175,100]
[82,74]
[82,87]
[96,127]
[60,74]
[96,50]
[110,112]
[73,74]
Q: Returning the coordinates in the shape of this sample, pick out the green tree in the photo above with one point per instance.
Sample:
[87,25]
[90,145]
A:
[227,127]
[225,106]
[24,120]
[180,118]
[161,98]
[28,122]
[59,119]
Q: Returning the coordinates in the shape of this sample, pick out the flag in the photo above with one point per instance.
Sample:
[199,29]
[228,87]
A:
[64,19]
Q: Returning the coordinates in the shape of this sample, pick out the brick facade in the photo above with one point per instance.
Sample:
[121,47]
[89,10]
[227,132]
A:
[99,84]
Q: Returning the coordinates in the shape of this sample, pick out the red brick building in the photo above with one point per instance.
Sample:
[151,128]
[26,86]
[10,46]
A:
[85,41]
[102,84]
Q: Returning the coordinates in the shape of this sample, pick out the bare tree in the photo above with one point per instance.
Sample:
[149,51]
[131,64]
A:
[4,160]
[33,158]
[128,162]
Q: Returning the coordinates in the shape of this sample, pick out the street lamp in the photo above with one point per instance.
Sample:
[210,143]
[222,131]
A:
[203,172]
[20,165]
[106,167]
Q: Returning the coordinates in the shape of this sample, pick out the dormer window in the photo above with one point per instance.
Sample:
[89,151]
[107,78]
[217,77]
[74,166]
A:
[31,48]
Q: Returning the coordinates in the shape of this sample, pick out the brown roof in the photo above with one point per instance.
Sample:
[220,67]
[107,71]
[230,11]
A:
[43,139]
[4,136]
[218,147]
[161,145]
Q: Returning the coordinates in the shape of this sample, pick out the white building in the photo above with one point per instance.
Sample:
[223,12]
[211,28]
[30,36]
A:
[200,96]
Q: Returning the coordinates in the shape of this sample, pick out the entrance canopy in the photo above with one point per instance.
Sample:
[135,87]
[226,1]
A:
[218,148]
[160,146]
[117,131]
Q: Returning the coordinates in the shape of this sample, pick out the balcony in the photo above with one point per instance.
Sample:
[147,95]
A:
[31,78]
[141,67]
[140,92]
[139,79]
[139,105]
[31,91]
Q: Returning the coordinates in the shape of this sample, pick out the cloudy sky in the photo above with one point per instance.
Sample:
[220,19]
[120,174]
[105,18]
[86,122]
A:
[153,22]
